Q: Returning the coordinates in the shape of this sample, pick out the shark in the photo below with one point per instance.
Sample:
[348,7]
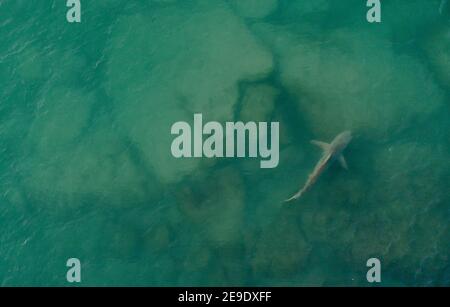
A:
[331,152]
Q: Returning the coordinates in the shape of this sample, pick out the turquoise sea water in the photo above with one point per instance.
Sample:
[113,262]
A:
[86,168]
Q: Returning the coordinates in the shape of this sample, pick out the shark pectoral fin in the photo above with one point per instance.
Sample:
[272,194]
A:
[343,162]
[323,145]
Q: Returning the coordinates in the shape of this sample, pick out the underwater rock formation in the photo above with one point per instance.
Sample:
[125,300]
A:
[178,68]
[401,220]
[214,202]
[258,103]
[343,80]
[73,163]
[275,259]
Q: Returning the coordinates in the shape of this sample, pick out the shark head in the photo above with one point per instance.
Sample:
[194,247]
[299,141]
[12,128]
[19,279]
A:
[345,137]
[342,140]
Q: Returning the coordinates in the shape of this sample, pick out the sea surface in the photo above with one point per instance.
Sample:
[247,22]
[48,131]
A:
[86,169]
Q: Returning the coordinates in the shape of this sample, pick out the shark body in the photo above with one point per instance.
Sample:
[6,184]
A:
[331,152]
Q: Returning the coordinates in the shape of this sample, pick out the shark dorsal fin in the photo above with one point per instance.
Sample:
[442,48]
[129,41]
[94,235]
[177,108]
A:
[323,145]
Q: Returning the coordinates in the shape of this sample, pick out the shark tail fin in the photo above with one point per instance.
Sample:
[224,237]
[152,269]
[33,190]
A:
[295,197]
[323,145]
